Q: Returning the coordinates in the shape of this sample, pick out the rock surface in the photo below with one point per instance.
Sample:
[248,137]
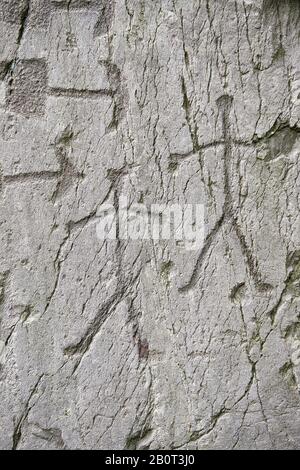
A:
[142,345]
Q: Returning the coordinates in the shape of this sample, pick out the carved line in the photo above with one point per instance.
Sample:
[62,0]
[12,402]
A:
[74,93]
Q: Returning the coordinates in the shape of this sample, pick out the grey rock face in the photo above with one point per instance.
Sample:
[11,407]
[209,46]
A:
[123,344]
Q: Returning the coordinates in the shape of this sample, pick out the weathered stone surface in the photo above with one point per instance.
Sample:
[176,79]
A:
[135,344]
[26,88]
